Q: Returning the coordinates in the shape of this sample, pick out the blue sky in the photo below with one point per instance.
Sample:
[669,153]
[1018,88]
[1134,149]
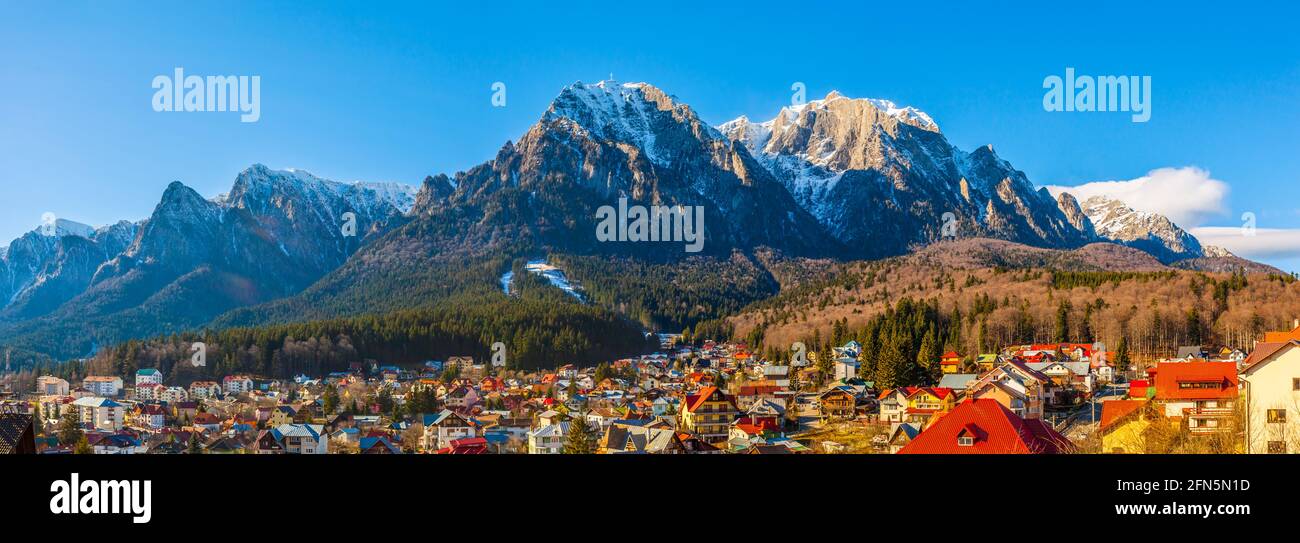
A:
[397,93]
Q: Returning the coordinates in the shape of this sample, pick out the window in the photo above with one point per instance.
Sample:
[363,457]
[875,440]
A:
[965,441]
[1277,447]
[1295,383]
[1276,415]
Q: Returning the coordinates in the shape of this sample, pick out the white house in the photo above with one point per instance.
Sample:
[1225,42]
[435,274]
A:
[108,387]
[1271,385]
[238,384]
[204,390]
[148,376]
[442,428]
[174,394]
[48,385]
[547,439]
[101,413]
[303,438]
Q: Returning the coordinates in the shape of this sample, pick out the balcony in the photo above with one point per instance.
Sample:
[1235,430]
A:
[1206,412]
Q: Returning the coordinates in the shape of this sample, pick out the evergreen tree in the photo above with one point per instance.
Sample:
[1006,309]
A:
[1062,334]
[1122,361]
[70,427]
[891,364]
[83,446]
[580,439]
[927,359]
[330,399]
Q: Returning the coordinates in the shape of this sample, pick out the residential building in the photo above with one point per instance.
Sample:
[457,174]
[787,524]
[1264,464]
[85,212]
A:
[238,384]
[108,387]
[48,385]
[547,439]
[293,439]
[837,404]
[986,427]
[708,414]
[100,413]
[148,376]
[1202,393]
[441,428]
[1270,379]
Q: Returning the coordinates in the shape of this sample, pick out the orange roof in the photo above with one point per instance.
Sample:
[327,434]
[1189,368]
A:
[1282,337]
[694,401]
[1196,380]
[951,354]
[1114,410]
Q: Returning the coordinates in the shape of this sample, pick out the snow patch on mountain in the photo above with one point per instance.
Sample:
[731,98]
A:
[625,112]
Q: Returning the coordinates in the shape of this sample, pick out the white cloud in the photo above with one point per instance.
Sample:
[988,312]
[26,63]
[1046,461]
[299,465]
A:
[1266,244]
[1188,196]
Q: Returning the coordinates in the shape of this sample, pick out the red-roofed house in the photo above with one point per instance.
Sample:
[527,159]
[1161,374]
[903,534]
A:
[1202,392]
[709,414]
[950,362]
[987,427]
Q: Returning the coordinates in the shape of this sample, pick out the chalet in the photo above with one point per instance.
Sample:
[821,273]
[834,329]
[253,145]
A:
[986,427]
[708,414]
[837,404]
[441,428]
[640,439]
[915,404]
[902,434]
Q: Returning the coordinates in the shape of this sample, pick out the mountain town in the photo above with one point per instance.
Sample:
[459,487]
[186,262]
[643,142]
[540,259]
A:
[706,398]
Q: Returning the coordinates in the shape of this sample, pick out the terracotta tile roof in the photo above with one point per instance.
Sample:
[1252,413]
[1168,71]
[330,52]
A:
[1263,351]
[995,429]
[1113,411]
[1173,380]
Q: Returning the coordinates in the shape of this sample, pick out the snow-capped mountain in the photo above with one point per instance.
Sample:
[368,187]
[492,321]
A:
[273,234]
[882,176]
[599,142]
[1150,232]
[52,263]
